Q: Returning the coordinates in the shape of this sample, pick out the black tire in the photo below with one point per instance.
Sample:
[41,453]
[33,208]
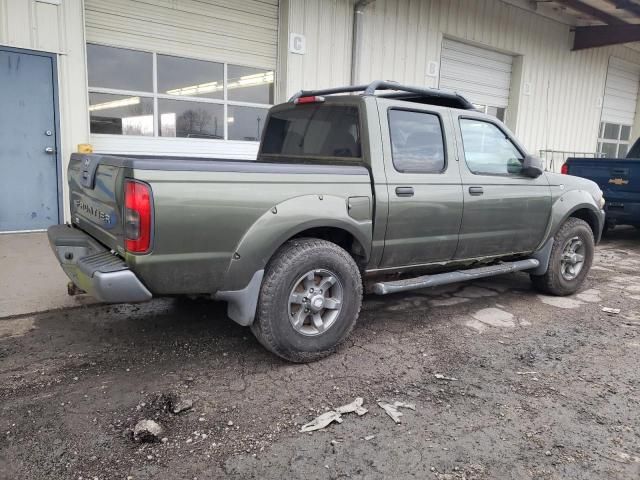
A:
[272,326]
[553,282]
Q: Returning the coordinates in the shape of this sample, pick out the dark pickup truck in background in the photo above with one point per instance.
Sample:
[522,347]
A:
[619,179]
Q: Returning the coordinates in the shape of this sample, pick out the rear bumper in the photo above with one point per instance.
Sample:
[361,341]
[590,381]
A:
[623,213]
[93,268]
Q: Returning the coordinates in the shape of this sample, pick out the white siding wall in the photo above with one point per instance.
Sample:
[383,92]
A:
[243,32]
[326,25]
[563,108]
[57,29]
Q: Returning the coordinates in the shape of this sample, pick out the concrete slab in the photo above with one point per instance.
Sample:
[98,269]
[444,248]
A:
[31,279]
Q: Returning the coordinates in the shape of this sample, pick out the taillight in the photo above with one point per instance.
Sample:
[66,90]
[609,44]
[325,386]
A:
[564,169]
[137,216]
[315,99]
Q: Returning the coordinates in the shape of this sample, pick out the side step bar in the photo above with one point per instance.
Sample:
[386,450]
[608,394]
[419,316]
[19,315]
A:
[384,288]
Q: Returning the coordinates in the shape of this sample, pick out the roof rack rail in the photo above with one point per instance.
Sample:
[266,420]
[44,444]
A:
[371,88]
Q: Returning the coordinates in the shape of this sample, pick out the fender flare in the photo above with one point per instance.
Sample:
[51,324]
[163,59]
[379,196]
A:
[561,215]
[276,226]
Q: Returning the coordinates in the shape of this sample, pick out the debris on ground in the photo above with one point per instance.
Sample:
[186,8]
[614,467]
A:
[439,376]
[611,311]
[392,409]
[355,406]
[322,421]
[147,431]
[335,415]
[183,405]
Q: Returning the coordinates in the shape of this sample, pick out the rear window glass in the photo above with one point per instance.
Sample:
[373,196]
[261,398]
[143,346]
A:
[313,130]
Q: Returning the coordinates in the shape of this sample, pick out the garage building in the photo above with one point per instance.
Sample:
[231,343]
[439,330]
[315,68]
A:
[196,77]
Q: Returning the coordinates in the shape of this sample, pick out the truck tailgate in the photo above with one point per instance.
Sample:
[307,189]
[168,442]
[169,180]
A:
[619,179]
[96,199]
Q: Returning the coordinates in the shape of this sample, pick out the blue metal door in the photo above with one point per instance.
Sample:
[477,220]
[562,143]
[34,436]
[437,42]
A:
[28,141]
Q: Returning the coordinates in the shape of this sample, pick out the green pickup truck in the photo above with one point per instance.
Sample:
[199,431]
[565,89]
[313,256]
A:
[388,189]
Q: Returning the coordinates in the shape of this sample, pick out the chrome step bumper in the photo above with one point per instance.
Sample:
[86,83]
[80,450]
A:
[384,288]
[93,268]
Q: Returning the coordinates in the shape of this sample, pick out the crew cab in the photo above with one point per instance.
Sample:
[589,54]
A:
[384,190]
[618,178]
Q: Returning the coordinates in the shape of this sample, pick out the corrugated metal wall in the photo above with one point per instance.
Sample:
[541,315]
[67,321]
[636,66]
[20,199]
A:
[561,110]
[57,29]
[239,32]
[326,25]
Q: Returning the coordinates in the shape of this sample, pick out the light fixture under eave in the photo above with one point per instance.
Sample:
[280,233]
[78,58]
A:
[125,102]
[196,89]
[252,80]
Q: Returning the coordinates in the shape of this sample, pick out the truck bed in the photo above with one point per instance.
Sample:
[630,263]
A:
[203,209]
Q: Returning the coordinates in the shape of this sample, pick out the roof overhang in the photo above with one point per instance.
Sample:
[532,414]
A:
[597,23]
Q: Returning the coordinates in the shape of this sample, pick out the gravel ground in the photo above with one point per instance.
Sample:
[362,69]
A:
[540,388]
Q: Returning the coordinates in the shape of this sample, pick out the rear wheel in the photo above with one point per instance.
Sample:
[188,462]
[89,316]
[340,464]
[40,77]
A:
[309,300]
[570,260]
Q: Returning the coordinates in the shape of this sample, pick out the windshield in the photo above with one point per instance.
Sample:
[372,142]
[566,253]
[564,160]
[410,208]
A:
[313,130]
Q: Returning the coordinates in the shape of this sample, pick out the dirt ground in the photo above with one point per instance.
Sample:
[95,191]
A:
[542,388]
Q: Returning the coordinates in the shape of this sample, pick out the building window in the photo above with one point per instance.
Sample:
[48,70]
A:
[156,95]
[497,112]
[613,140]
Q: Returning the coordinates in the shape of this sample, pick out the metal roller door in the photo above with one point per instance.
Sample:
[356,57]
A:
[621,92]
[242,32]
[483,76]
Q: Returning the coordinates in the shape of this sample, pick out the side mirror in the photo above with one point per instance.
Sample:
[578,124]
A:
[532,166]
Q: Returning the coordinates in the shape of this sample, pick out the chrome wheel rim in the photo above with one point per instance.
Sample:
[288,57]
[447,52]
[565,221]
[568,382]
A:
[572,259]
[315,302]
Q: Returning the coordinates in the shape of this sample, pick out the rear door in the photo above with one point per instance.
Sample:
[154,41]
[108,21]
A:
[504,211]
[423,182]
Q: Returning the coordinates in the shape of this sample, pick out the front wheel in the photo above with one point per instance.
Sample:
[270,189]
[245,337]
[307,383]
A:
[570,260]
[309,300]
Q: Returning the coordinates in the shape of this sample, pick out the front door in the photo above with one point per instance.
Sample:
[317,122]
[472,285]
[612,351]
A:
[28,156]
[504,210]
[424,186]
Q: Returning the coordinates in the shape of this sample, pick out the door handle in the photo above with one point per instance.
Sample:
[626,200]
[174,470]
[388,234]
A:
[476,190]
[404,191]
[48,150]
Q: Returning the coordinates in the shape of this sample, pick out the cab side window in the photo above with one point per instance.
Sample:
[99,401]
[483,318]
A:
[417,145]
[487,149]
